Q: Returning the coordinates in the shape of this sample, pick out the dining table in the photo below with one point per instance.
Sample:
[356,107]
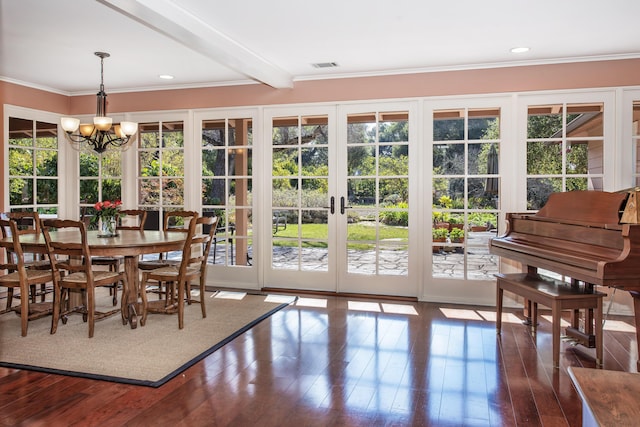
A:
[130,244]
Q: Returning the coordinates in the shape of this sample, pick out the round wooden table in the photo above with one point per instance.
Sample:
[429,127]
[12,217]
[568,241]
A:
[129,244]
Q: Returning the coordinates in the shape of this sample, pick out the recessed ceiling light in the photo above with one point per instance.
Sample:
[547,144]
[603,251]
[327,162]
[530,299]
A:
[166,76]
[519,50]
[325,64]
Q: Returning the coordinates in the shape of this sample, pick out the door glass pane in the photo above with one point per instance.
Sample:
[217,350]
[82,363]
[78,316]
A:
[227,188]
[300,179]
[377,206]
[160,169]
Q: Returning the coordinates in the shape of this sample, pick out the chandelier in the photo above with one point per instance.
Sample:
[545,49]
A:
[102,132]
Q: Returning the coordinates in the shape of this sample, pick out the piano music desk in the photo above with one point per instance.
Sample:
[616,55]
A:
[558,296]
[609,398]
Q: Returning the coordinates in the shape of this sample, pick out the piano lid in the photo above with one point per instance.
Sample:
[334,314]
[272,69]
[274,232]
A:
[631,214]
[597,207]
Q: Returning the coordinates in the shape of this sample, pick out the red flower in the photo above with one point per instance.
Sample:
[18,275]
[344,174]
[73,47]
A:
[107,209]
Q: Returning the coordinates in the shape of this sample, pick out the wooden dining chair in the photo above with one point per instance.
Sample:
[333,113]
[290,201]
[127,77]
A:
[130,219]
[81,276]
[207,243]
[177,278]
[29,223]
[173,221]
[23,278]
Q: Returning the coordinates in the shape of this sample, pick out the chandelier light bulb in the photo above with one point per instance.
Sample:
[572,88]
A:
[102,123]
[70,124]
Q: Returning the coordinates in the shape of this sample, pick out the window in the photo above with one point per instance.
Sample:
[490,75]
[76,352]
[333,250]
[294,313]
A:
[100,179]
[227,169]
[565,148]
[635,135]
[160,170]
[33,166]
[466,192]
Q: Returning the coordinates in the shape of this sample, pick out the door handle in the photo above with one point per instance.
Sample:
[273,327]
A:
[342,206]
[332,208]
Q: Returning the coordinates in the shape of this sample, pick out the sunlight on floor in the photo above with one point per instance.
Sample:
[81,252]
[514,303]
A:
[399,309]
[364,306]
[230,295]
[281,299]
[468,314]
[312,302]
[619,326]
[384,307]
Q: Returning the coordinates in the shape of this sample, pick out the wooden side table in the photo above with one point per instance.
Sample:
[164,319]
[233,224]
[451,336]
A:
[609,398]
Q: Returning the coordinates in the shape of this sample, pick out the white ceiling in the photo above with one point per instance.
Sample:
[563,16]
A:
[50,43]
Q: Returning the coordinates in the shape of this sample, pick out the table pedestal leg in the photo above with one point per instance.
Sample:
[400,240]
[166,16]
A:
[130,303]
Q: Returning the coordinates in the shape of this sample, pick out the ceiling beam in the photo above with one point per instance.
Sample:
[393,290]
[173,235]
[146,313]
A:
[165,17]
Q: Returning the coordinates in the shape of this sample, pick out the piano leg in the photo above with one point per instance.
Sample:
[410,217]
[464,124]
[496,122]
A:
[636,310]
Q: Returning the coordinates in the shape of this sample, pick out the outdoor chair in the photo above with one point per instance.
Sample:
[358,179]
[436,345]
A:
[23,278]
[177,278]
[79,276]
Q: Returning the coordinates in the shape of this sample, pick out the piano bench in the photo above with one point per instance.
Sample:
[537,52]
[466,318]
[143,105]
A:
[557,295]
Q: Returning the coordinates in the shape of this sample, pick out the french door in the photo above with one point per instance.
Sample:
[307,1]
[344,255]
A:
[339,199]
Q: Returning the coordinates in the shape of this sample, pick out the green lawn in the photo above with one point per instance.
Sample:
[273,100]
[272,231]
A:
[361,232]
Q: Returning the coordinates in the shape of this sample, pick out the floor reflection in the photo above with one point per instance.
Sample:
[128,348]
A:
[377,363]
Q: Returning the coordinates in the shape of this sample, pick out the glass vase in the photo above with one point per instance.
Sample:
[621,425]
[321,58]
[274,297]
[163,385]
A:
[108,227]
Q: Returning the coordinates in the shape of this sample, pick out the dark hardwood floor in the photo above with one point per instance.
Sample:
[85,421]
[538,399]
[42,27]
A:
[353,362]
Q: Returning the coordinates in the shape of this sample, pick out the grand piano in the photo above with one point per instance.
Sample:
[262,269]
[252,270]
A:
[583,236]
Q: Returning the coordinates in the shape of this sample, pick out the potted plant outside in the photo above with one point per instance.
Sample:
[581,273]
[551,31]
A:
[457,235]
[456,221]
[439,235]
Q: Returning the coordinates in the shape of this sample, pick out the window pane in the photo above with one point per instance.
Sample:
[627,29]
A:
[240,161]
[361,191]
[360,160]
[111,189]
[148,135]
[47,163]
[89,191]
[46,135]
[448,159]
[394,127]
[361,128]
[89,164]
[484,124]
[213,163]
[148,191]
[393,160]
[21,191]
[539,189]
[285,131]
[544,157]
[20,162]
[314,161]
[285,161]
[584,120]
[173,191]
[47,191]
[172,135]
[448,125]
[545,122]
[112,163]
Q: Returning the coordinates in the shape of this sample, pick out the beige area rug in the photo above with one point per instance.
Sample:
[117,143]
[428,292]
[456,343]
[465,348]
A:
[121,354]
